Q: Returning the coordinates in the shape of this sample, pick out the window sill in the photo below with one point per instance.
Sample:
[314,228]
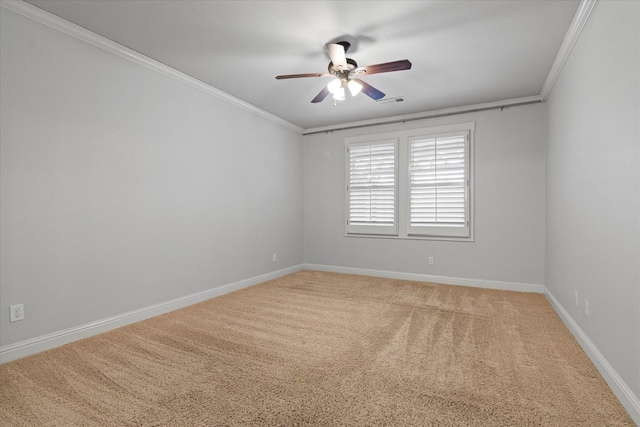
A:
[437,238]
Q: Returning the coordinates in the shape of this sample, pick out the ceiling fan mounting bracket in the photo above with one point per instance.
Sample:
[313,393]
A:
[345,45]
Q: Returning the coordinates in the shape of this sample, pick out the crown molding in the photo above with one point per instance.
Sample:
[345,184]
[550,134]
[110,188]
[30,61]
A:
[36,14]
[570,39]
[46,18]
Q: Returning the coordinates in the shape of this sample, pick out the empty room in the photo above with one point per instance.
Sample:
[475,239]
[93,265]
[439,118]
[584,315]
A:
[320,213]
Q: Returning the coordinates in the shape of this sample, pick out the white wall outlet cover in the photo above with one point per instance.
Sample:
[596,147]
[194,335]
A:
[16,312]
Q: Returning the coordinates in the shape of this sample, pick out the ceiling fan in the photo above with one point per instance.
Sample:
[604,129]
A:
[344,69]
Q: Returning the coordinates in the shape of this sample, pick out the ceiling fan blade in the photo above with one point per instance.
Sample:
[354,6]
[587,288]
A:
[384,68]
[321,96]
[337,55]
[297,76]
[369,90]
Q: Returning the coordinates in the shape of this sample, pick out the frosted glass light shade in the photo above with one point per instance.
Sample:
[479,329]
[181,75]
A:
[335,86]
[354,87]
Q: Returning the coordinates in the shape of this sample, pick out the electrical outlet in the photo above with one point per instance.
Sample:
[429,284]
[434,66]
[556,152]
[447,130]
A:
[16,312]
[430,260]
[274,257]
[586,307]
[577,300]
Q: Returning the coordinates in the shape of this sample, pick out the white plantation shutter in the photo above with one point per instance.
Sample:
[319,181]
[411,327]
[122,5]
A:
[372,178]
[411,183]
[439,185]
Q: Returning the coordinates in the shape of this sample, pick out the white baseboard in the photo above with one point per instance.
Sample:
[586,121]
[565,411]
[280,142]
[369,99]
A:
[445,280]
[622,391]
[56,339]
[35,345]
[628,399]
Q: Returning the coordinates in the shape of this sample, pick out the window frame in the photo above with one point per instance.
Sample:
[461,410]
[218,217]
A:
[461,231]
[404,230]
[371,229]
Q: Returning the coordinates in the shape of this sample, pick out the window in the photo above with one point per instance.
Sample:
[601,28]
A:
[438,185]
[411,184]
[372,187]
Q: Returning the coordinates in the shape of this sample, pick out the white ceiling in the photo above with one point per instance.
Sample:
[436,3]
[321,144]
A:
[463,52]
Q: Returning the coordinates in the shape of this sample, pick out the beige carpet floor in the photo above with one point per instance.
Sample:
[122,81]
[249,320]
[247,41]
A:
[322,349]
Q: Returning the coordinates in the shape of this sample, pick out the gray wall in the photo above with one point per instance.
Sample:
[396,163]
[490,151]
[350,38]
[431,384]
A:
[509,204]
[593,186]
[122,188]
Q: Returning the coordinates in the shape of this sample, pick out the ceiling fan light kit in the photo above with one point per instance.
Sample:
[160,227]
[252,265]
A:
[343,69]
[354,87]
[336,87]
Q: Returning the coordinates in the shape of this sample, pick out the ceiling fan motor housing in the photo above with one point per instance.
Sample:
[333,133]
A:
[340,73]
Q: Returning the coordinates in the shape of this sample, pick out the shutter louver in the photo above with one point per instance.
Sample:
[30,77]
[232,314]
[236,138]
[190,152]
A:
[438,182]
[372,187]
